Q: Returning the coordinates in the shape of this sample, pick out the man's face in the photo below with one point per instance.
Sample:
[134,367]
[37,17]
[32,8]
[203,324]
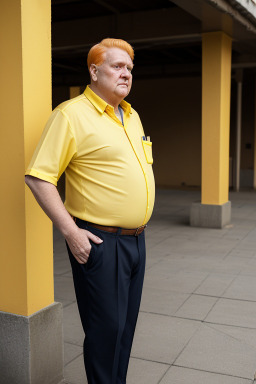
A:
[113,76]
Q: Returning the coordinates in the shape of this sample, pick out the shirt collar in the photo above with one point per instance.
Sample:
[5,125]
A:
[126,106]
[101,105]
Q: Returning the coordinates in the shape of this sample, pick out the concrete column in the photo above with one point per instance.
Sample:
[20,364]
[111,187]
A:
[238,130]
[30,322]
[214,211]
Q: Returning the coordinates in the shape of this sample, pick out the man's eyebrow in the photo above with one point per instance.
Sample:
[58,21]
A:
[122,63]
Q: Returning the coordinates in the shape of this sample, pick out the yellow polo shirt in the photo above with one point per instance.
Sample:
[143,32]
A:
[108,166]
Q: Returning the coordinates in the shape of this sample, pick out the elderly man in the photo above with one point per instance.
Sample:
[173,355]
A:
[98,140]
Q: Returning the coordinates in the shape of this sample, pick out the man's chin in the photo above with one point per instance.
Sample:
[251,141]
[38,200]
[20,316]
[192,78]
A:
[123,92]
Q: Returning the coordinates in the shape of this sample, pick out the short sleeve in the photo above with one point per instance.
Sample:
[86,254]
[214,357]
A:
[55,149]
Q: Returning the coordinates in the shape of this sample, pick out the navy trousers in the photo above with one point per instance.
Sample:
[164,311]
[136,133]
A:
[108,291]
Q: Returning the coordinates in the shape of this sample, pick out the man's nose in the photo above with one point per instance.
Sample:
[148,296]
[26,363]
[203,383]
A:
[126,73]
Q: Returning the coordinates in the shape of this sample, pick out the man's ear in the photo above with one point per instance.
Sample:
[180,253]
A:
[93,72]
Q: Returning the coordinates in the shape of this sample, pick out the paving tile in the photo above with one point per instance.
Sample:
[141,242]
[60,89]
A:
[220,252]
[250,238]
[73,331]
[166,247]
[161,338]
[241,213]
[250,268]
[242,253]
[68,274]
[243,288]
[223,243]
[164,269]
[245,335]
[71,352]
[240,262]
[226,266]
[139,371]
[215,284]
[233,312]
[64,288]
[60,250]
[155,235]
[236,235]
[145,372]
[61,265]
[246,245]
[175,243]
[56,232]
[74,372]
[180,375]
[150,262]
[65,303]
[196,307]
[153,257]
[161,277]
[160,301]
[214,351]
[207,263]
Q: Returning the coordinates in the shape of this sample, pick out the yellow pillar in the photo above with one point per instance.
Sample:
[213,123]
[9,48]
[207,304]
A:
[214,211]
[30,321]
[26,258]
[216,82]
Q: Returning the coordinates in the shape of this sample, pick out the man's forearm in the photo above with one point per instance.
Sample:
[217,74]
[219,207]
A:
[50,201]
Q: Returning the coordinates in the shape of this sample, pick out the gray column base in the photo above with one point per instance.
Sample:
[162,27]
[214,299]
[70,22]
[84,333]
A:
[32,347]
[210,216]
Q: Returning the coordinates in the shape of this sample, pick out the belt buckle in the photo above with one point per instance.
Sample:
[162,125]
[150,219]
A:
[136,232]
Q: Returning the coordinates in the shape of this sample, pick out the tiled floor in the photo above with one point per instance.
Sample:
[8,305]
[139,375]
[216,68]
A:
[197,322]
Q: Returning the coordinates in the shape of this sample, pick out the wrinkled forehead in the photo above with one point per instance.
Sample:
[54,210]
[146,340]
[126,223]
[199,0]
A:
[117,55]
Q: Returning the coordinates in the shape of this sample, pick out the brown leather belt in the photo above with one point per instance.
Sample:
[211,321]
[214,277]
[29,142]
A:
[124,231]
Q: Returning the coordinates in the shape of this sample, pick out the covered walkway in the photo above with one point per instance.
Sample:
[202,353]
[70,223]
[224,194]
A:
[198,315]
[198,312]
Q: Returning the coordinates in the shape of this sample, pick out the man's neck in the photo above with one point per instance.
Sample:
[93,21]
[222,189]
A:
[114,102]
[118,114]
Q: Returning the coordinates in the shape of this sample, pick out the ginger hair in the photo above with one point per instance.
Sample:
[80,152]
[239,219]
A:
[96,53]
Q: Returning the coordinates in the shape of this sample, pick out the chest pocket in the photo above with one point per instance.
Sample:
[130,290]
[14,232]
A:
[147,147]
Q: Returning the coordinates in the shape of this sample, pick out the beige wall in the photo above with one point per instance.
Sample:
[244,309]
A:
[170,110]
